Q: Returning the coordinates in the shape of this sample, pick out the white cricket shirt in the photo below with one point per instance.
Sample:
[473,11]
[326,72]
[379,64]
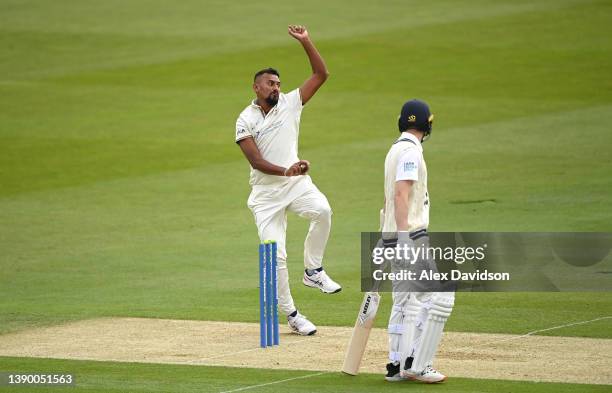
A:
[405,162]
[275,134]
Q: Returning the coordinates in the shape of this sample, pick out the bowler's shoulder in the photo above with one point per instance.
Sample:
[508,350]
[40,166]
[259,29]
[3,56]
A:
[292,98]
[248,113]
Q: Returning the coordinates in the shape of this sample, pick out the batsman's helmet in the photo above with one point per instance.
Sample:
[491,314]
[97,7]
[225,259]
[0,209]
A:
[415,115]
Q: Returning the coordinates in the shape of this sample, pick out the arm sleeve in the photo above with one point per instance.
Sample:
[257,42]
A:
[408,165]
[242,129]
[294,99]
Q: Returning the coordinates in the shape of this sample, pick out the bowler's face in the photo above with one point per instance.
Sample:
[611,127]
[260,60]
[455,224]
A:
[267,87]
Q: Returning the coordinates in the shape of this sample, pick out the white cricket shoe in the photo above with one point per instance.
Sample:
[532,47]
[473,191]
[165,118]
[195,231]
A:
[300,325]
[429,375]
[322,281]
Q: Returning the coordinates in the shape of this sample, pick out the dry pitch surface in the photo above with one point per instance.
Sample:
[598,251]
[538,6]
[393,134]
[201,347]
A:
[498,356]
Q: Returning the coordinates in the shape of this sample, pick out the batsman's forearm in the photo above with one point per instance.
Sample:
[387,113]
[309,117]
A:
[316,61]
[401,212]
[268,168]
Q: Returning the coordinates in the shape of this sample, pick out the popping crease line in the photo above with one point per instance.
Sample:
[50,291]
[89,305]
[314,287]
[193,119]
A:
[534,332]
[275,382]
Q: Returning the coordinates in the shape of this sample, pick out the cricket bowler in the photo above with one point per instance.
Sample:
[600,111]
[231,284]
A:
[267,132]
[417,317]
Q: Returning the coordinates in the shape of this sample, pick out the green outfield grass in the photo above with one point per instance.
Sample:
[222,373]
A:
[123,194]
[133,377]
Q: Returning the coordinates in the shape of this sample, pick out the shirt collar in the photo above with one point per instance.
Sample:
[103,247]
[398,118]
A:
[259,108]
[407,135]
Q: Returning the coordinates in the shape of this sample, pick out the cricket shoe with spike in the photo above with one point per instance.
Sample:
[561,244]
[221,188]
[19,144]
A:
[301,325]
[320,279]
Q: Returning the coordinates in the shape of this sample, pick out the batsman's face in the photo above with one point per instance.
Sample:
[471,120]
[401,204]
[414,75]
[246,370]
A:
[267,87]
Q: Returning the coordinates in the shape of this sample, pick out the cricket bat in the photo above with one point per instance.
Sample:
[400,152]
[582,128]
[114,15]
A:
[361,333]
[364,323]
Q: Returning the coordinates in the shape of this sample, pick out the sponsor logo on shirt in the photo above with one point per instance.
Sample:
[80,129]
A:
[272,127]
[410,166]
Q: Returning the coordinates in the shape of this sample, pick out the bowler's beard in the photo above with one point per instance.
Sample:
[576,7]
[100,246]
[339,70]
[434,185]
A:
[272,99]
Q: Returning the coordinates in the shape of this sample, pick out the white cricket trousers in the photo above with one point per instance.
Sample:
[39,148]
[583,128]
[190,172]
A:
[270,203]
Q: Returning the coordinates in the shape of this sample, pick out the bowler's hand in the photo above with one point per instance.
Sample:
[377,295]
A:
[297,169]
[304,166]
[298,32]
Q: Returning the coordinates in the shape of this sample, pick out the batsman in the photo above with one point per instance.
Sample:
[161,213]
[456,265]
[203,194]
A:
[418,316]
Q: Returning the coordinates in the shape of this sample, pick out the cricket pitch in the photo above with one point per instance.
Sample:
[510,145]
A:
[233,344]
